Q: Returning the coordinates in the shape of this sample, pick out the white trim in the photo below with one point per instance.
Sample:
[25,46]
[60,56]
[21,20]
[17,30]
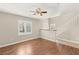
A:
[65,42]
[76,45]
[5,45]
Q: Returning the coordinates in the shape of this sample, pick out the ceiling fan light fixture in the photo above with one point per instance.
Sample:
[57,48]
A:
[39,12]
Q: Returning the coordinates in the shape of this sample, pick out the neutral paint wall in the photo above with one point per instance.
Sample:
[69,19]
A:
[44,24]
[9,28]
[63,26]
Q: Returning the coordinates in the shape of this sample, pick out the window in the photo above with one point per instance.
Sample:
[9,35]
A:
[24,27]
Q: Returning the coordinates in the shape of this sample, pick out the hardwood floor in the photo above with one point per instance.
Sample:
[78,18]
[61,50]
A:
[38,47]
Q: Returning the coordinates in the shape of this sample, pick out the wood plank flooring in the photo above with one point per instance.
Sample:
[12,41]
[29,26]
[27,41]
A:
[39,47]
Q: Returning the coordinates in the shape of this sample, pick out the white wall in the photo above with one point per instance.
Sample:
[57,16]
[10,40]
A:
[9,29]
[64,27]
[44,29]
[44,24]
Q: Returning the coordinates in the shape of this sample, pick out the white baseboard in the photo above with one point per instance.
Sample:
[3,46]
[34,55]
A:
[65,42]
[58,41]
[18,42]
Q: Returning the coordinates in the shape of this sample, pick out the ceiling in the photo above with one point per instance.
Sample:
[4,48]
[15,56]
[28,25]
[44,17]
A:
[53,9]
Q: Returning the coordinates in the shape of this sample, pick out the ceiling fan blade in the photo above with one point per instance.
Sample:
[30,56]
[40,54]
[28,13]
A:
[44,12]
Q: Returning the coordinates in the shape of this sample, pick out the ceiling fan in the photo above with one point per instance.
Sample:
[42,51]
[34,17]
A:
[39,12]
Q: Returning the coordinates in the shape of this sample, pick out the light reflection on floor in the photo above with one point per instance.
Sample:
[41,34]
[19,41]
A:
[25,50]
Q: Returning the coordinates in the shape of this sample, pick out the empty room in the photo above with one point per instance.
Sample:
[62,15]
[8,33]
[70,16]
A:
[39,28]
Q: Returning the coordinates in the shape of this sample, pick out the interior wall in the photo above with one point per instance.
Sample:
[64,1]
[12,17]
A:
[62,25]
[73,29]
[44,32]
[9,29]
[44,24]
